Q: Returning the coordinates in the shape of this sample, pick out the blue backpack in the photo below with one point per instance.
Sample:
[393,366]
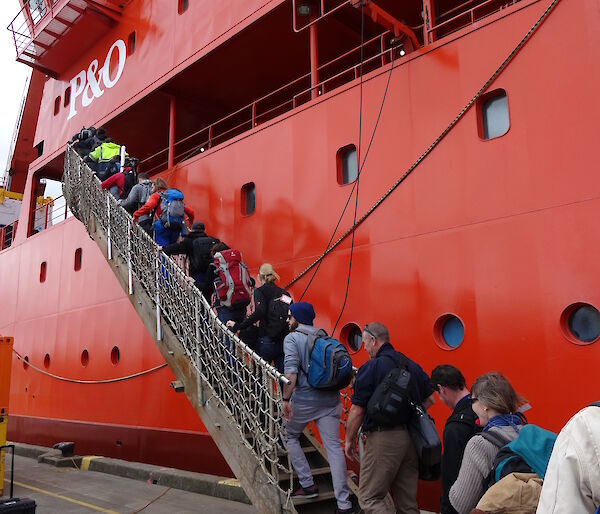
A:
[329,363]
[172,209]
[528,453]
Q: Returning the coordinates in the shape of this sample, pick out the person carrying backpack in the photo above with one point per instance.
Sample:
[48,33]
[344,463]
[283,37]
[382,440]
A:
[168,207]
[271,304]
[304,403]
[103,156]
[138,196]
[389,461]
[197,246]
[495,402]
[451,388]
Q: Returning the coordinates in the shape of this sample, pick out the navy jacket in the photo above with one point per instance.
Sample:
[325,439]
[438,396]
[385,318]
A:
[372,373]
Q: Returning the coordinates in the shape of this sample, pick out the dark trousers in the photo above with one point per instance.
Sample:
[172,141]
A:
[271,351]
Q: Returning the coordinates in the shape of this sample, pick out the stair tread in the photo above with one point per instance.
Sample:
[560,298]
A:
[322,497]
[317,471]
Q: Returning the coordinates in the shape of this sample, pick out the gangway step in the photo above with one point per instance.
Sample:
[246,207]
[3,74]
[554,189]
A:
[323,496]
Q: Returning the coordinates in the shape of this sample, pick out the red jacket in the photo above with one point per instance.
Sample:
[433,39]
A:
[118,179]
[153,204]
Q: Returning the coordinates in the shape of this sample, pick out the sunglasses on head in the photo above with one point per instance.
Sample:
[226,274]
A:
[366,329]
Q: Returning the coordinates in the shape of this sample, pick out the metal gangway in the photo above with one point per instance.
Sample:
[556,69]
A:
[236,393]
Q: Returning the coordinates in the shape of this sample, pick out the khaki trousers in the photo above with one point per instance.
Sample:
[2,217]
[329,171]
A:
[389,463]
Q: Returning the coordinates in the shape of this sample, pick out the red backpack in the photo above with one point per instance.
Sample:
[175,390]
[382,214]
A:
[232,284]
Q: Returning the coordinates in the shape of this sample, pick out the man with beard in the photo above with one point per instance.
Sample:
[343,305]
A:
[303,404]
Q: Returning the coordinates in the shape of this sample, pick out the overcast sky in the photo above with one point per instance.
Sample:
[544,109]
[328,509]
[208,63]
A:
[13,82]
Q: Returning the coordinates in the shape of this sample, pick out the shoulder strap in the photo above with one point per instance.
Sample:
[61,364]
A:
[311,342]
[497,439]
[403,360]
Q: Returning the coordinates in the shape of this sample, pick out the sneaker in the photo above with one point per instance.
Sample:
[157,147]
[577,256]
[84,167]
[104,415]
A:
[306,492]
[344,511]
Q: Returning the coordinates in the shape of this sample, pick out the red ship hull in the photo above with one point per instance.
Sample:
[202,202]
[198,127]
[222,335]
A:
[499,232]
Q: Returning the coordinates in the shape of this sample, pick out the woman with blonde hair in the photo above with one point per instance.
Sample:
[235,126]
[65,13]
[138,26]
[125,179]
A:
[495,403]
[271,304]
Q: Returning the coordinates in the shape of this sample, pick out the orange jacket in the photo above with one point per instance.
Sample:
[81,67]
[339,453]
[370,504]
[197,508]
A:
[153,205]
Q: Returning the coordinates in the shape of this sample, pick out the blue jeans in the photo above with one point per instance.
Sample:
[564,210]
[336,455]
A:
[271,351]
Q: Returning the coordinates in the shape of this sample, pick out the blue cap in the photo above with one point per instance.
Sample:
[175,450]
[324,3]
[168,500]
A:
[303,312]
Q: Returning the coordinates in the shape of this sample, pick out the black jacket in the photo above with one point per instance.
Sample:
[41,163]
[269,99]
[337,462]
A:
[460,427]
[196,245]
[262,296]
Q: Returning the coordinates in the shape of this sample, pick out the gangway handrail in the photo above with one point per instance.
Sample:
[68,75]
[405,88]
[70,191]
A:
[244,384]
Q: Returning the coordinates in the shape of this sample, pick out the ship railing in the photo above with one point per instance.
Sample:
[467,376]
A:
[377,52]
[247,387]
[23,26]
[50,213]
[465,14]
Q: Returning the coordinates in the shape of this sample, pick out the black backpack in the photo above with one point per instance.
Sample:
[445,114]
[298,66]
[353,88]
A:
[391,405]
[277,315]
[201,258]
[130,181]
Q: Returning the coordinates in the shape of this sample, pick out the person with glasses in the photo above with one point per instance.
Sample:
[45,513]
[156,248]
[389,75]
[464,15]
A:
[495,403]
[449,383]
[302,404]
[389,461]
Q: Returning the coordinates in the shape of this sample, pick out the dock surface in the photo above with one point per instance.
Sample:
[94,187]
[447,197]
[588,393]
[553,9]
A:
[71,491]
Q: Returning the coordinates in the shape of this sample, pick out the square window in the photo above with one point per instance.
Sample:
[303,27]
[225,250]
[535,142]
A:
[492,115]
[347,165]
[248,198]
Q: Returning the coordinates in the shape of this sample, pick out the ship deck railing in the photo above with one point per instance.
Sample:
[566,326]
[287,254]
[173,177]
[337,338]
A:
[51,212]
[377,52]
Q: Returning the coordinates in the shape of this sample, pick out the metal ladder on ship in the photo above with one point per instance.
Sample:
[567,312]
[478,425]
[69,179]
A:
[236,393]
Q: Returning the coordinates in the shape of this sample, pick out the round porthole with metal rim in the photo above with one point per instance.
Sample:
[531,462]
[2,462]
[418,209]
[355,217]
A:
[448,331]
[351,337]
[580,323]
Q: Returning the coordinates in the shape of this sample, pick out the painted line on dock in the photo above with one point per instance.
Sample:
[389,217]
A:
[65,498]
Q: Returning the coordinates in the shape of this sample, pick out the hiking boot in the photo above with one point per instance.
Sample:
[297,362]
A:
[306,492]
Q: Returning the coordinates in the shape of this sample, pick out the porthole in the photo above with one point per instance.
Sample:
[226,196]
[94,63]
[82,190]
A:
[26,362]
[77,263]
[131,43]
[43,268]
[115,355]
[67,100]
[580,323]
[248,198]
[85,358]
[351,336]
[448,332]
[492,115]
[182,6]
[347,165]
[47,361]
